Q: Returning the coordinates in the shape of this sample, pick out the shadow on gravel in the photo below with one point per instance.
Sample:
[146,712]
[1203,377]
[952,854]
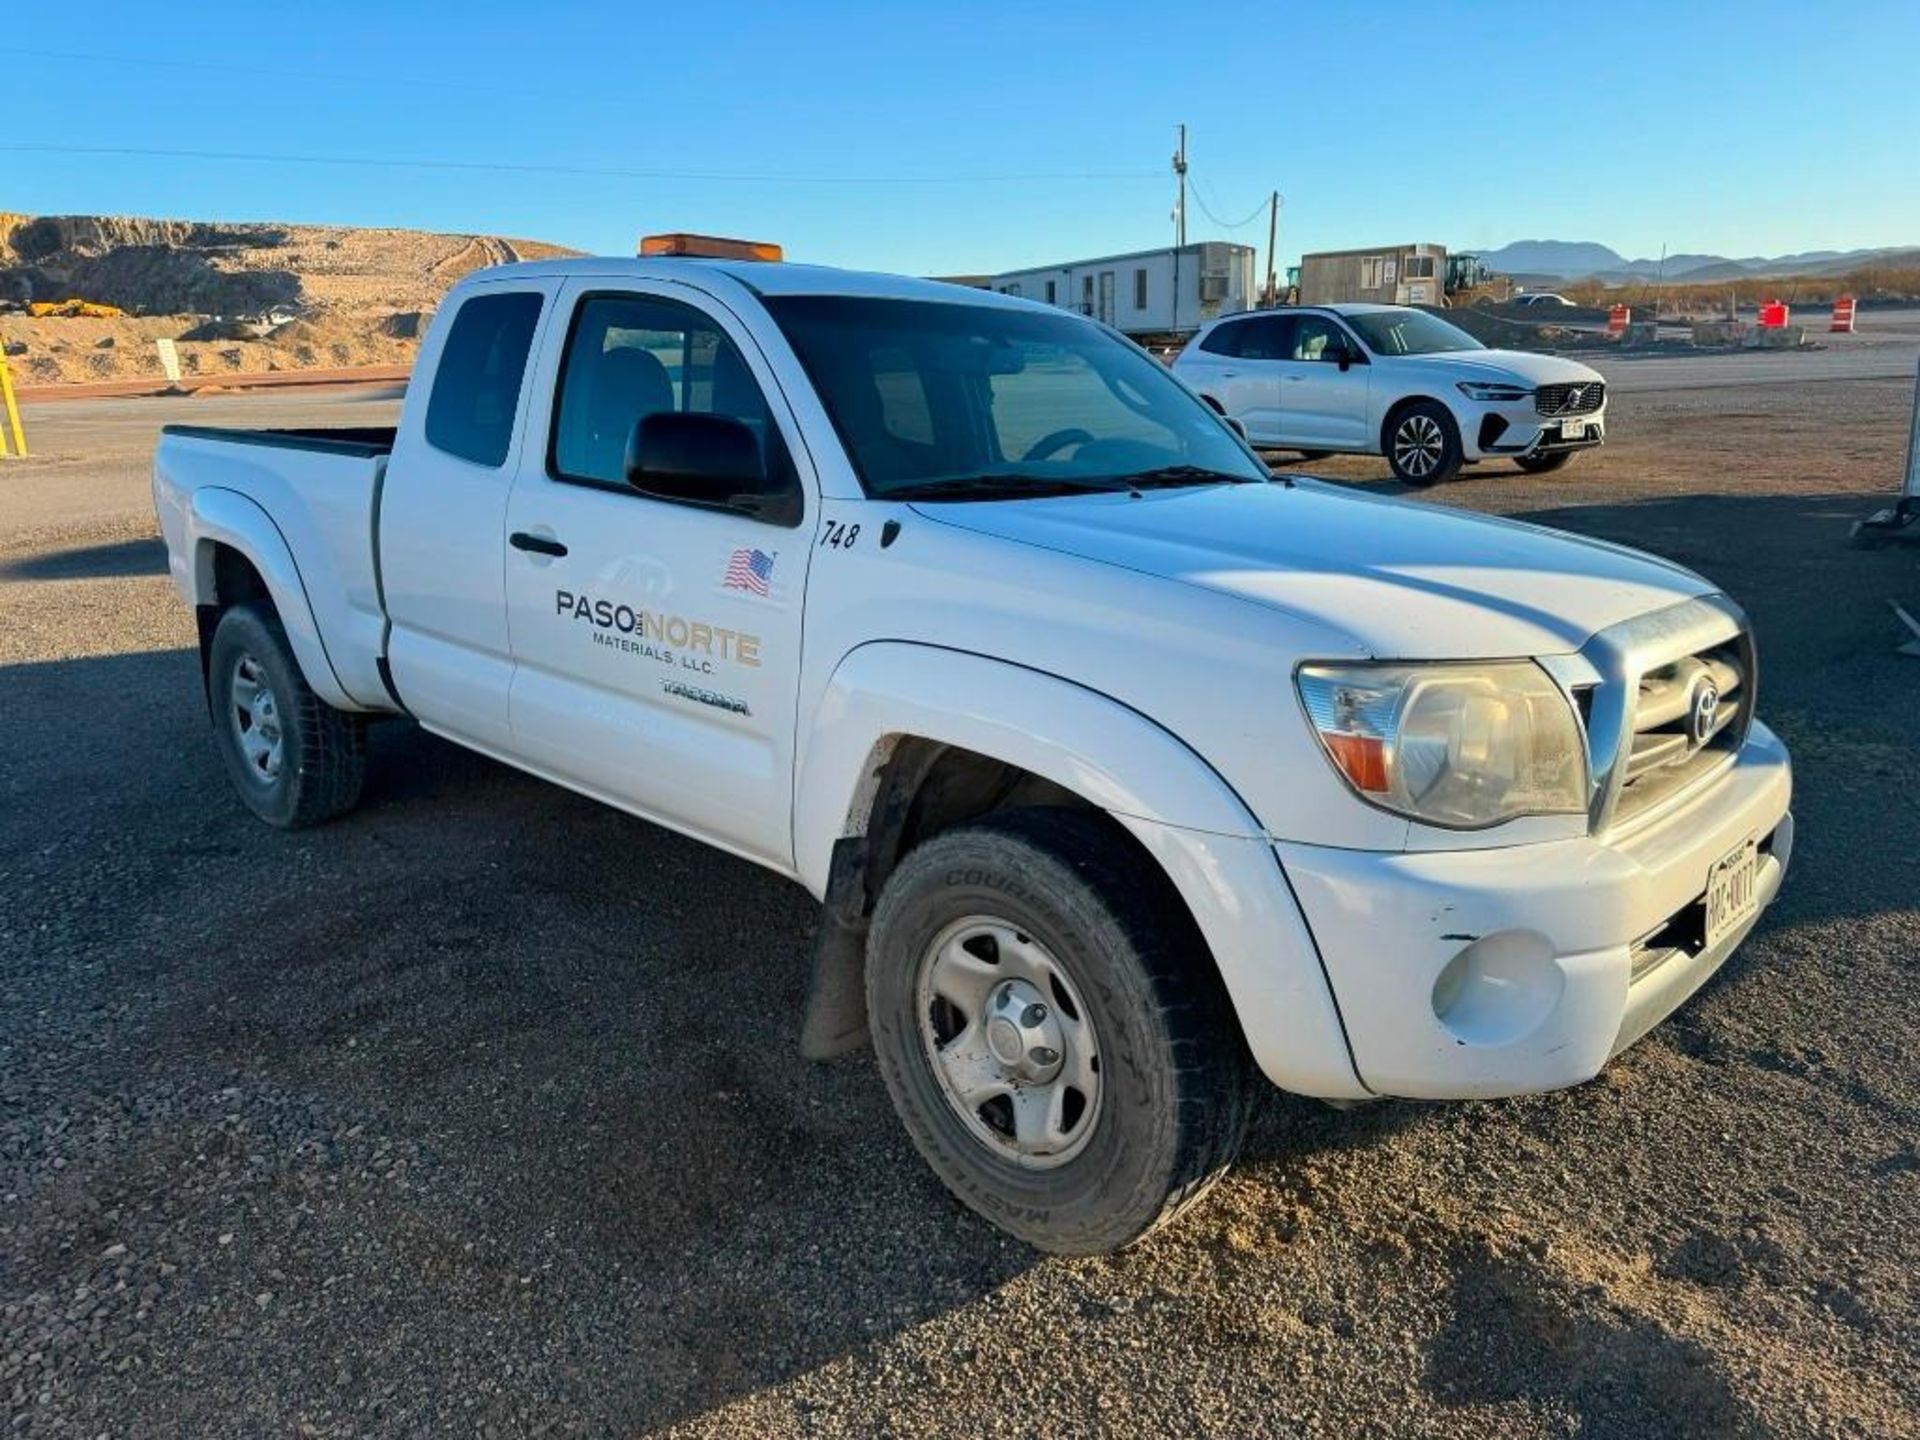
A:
[96,562]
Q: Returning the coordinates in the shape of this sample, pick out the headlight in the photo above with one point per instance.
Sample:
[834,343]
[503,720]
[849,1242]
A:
[1463,746]
[1492,390]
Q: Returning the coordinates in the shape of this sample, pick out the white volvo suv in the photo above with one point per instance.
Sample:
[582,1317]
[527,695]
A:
[1393,381]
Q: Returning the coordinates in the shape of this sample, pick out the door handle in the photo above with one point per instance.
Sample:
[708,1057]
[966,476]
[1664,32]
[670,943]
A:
[538,544]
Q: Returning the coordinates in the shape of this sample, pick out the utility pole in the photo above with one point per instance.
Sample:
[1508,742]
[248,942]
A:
[1180,173]
[1273,230]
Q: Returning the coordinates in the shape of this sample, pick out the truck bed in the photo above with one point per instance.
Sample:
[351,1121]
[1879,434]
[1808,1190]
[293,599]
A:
[320,489]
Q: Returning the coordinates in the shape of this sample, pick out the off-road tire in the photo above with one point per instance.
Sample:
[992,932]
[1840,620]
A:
[1175,1073]
[324,750]
[1399,431]
[1542,464]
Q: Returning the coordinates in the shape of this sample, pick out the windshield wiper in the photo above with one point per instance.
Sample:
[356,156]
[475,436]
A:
[1004,487]
[1170,475]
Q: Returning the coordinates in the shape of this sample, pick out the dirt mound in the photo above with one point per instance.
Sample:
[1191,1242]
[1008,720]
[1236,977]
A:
[239,296]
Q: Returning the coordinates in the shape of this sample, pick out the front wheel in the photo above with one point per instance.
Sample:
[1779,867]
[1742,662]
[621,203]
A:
[1423,444]
[293,758]
[1541,464]
[1052,1031]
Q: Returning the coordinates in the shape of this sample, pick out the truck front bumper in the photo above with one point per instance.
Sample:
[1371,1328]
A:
[1470,973]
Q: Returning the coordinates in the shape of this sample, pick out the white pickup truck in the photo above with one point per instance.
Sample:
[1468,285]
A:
[1123,768]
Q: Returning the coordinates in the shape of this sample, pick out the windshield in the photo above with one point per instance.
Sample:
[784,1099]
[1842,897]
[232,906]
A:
[930,396]
[1410,332]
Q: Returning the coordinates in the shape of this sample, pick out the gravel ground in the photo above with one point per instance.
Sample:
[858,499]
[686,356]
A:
[480,1111]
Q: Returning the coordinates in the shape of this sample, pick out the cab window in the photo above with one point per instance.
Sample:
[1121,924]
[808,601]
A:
[1317,338]
[476,388]
[630,356]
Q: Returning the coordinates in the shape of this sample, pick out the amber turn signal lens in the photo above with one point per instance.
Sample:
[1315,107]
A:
[705,247]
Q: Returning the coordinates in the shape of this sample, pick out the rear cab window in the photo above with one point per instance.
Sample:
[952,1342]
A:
[476,385]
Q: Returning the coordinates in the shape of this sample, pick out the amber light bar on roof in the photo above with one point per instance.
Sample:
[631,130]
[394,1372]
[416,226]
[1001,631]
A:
[706,247]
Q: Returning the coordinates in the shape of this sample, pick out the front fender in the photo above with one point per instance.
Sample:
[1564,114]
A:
[226,517]
[1183,814]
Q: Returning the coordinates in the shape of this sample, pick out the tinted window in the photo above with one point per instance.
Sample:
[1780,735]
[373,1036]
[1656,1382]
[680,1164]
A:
[477,386]
[1224,340]
[1314,336]
[1270,337]
[929,391]
[631,356]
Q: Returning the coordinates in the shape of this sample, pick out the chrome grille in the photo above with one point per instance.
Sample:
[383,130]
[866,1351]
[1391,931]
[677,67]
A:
[1571,399]
[1687,716]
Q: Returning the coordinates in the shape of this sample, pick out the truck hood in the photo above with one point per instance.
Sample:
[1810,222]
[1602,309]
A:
[1401,579]
[1523,366]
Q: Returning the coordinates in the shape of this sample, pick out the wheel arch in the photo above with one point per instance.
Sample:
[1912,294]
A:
[238,556]
[911,739]
[1405,403]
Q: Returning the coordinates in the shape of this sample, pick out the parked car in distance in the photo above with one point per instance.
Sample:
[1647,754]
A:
[1125,771]
[1543,300]
[1394,381]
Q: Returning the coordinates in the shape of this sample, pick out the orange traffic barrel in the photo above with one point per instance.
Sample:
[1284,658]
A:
[1618,318]
[1842,315]
[1773,316]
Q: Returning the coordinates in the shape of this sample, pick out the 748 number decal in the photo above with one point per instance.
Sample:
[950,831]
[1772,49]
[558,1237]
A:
[838,535]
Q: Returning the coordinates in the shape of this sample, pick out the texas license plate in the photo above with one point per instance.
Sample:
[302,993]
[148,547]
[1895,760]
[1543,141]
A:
[1732,890]
[1573,429]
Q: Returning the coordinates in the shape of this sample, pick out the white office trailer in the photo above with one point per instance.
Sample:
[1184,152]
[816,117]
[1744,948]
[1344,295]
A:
[1171,291]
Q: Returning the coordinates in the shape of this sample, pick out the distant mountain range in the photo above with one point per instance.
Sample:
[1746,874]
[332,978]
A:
[1588,260]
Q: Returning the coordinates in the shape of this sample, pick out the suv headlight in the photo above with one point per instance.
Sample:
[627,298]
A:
[1462,746]
[1492,390]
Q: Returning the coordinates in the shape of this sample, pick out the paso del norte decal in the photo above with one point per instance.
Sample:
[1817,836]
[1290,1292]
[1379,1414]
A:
[658,636]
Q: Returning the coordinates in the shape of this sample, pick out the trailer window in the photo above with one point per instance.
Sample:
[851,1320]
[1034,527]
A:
[1139,289]
[476,388]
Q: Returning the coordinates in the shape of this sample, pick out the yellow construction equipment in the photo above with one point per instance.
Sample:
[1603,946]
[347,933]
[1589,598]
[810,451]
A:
[74,309]
[10,413]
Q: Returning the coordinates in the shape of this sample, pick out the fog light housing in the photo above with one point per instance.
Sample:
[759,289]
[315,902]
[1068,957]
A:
[1500,989]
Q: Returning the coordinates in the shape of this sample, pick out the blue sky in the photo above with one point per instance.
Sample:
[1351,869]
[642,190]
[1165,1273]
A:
[942,138]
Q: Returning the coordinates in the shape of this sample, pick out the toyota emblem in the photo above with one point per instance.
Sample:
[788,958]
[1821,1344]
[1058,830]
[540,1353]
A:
[1705,709]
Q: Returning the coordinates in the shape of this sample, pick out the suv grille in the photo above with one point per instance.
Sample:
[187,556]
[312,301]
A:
[1687,716]
[1581,399]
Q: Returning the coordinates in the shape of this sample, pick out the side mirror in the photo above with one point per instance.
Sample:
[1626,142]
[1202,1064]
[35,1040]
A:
[709,460]
[1341,356]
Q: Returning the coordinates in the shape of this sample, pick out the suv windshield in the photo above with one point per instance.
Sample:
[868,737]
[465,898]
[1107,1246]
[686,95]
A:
[988,400]
[1409,332]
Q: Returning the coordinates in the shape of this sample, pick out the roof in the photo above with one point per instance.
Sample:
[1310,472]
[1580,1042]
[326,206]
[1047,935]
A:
[1188,248]
[1355,307]
[761,277]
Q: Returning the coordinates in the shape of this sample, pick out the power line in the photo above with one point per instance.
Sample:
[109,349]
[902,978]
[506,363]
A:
[1207,210]
[585,171]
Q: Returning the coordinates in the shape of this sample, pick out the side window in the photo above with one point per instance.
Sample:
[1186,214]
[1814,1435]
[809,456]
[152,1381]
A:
[476,388]
[1314,336]
[631,356]
[1140,289]
[1270,337]
[1225,339]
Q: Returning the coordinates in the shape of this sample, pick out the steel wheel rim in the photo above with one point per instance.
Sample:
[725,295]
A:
[1418,444]
[1009,1042]
[254,711]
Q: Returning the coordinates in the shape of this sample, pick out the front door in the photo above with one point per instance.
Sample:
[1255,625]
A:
[1321,404]
[657,644]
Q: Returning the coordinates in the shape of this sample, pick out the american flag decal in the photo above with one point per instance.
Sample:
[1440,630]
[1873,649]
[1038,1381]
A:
[749,570]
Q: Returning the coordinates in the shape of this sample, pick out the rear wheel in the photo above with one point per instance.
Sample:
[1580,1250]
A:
[293,758]
[1423,443]
[1052,1031]
[1541,464]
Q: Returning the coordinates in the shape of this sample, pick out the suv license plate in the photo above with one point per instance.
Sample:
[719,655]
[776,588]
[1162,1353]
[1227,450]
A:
[1732,888]
[1573,430]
